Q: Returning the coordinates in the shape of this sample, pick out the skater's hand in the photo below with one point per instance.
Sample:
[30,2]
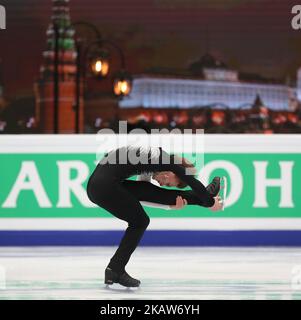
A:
[180,203]
[218,205]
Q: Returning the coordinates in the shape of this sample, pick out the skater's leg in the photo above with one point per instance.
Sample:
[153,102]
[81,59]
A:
[146,191]
[127,246]
[122,204]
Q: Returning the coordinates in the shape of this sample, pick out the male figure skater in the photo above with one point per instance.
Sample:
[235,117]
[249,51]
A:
[109,188]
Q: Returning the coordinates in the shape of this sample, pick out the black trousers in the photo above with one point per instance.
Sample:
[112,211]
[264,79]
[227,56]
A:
[121,199]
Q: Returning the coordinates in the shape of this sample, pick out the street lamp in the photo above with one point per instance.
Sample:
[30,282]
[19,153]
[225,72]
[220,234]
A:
[122,84]
[56,92]
[97,56]
[99,65]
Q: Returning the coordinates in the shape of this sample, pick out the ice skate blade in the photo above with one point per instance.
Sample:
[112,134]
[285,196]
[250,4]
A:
[119,287]
[224,187]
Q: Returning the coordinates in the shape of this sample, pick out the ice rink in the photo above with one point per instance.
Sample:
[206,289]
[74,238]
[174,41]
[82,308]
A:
[165,272]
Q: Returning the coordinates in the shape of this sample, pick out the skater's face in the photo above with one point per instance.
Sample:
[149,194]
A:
[166,178]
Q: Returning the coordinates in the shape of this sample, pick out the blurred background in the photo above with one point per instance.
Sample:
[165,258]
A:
[79,66]
[69,68]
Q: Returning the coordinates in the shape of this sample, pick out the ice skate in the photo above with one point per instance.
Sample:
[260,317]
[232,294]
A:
[223,191]
[214,187]
[123,279]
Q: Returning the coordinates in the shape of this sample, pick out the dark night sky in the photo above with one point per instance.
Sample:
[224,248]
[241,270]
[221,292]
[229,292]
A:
[251,35]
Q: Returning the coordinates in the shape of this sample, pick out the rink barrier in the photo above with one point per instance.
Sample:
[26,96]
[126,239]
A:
[254,165]
[153,238]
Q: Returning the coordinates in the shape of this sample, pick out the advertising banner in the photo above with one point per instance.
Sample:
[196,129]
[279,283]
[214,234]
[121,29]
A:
[43,194]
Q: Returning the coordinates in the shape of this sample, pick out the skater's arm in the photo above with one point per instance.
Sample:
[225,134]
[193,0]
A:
[180,203]
[199,189]
[155,205]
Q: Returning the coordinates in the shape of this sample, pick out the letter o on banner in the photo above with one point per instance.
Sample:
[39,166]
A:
[235,176]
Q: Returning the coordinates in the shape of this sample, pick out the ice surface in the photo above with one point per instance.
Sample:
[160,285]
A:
[166,273]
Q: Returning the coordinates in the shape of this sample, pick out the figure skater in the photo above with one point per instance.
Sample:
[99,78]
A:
[109,188]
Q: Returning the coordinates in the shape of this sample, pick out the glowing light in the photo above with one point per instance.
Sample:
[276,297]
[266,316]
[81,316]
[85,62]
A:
[122,87]
[98,66]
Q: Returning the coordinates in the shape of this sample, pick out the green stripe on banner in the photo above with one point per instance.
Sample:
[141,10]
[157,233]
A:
[46,185]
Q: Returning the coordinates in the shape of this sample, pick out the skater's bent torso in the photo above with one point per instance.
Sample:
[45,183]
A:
[110,188]
[123,163]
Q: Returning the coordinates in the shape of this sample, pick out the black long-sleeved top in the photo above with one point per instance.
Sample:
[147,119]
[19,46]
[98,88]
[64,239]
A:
[128,161]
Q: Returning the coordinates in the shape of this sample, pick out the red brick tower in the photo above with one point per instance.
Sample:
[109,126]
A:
[44,88]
